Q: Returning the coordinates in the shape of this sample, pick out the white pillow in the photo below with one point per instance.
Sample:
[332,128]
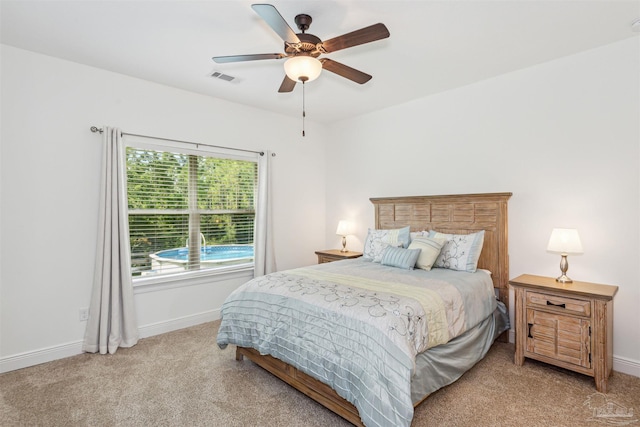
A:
[379,240]
[429,250]
[460,252]
[415,234]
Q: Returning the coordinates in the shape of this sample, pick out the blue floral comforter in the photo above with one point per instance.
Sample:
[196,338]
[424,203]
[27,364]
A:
[357,326]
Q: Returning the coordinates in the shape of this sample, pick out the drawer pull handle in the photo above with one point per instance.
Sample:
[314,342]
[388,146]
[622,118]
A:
[529,330]
[557,305]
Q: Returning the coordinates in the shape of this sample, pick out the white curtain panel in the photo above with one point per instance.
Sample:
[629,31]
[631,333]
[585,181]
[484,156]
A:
[265,260]
[112,318]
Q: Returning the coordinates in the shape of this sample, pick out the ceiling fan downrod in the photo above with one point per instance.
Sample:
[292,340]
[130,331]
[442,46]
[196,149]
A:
[304,113]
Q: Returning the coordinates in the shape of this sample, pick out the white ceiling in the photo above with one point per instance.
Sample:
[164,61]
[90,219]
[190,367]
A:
[434,45]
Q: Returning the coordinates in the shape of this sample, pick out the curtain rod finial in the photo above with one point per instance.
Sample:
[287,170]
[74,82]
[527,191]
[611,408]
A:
[95,129]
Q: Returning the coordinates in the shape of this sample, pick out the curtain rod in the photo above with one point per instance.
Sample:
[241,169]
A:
[96,129]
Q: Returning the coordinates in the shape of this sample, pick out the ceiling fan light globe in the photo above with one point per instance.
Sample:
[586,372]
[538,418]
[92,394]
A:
[303,68]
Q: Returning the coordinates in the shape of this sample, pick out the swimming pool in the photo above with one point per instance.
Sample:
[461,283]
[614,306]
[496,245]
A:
[210,256]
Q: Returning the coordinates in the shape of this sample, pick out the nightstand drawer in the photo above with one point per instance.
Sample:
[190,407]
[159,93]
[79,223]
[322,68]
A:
[331,255]
[323,258]
[561,303]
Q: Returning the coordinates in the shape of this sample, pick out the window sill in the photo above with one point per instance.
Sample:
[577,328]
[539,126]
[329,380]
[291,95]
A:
[180,280]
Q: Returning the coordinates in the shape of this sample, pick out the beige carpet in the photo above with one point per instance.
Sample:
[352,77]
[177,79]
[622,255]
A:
[183,379]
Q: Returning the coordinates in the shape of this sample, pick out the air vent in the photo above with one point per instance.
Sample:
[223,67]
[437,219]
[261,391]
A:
[221,76]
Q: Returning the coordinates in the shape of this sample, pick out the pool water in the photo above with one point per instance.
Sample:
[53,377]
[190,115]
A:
[209,253]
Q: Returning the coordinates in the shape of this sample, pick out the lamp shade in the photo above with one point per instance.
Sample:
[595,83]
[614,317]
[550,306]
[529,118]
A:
[344,228]
[302,68]
[565,241]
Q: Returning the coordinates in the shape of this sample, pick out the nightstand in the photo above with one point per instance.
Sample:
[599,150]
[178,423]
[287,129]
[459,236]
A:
[330,255]
[569,325]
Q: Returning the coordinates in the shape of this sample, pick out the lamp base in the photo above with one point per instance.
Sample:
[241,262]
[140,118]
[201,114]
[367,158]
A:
[344,244]
[564,279]
[564,266]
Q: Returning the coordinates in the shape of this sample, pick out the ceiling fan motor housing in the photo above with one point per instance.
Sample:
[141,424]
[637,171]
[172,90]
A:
[308,45]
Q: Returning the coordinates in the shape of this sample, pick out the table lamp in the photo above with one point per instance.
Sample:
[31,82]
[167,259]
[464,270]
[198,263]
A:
[564,241]
[344,229]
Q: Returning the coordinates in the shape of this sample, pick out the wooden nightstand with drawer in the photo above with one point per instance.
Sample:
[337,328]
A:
[569,325]
[330,255]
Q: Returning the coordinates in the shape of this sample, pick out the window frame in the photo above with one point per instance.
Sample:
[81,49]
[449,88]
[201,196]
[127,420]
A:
[187,278]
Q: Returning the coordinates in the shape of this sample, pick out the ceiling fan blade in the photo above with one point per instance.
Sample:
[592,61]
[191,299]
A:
[241,58]
[345,71]
[355,38]
[272,17]
[287,85]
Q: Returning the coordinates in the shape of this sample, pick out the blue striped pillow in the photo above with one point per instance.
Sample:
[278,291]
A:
[400,257]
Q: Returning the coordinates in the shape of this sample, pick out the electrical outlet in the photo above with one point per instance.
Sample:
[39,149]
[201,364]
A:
[84,314]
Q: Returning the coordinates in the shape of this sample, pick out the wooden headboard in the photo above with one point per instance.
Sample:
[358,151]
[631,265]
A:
[458,214]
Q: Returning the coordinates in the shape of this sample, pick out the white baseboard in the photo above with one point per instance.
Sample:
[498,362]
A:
[626,366]
[36,357]
[43,355]
[179,323]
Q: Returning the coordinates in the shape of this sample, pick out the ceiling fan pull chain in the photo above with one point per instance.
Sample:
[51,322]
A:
[304,114]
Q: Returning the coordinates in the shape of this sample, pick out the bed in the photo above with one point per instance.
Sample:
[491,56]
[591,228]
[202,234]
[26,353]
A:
[369,340]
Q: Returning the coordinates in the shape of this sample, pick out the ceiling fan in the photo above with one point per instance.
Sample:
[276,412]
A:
[303,49]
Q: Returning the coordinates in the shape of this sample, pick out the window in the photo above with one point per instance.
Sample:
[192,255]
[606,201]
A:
[189,212]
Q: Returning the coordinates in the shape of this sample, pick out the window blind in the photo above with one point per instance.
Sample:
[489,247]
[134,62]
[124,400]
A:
[189,212]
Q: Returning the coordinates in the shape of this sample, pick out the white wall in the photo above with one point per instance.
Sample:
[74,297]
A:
[50,176]
[563,137]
